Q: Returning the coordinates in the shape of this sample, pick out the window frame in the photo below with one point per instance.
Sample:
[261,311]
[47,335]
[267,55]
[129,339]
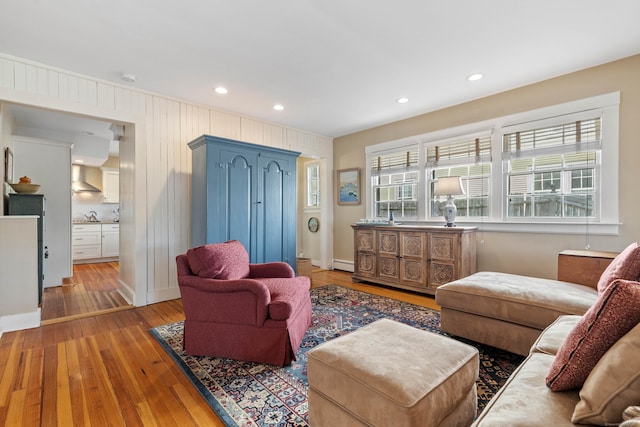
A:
[606,222]
[307,182]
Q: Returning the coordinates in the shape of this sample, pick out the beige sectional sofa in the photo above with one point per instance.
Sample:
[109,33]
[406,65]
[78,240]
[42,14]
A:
[581,340]
[525,400]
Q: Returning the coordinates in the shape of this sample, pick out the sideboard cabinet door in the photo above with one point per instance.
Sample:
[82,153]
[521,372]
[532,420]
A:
[245,192]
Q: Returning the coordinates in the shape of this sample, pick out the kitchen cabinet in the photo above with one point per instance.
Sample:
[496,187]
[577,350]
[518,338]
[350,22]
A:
[244,192]
[110,240]
[95,242]
[86,241]
[33,204]
[111,186]
[417,258]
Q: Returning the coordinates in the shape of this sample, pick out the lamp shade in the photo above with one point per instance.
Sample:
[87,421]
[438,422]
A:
[449,186]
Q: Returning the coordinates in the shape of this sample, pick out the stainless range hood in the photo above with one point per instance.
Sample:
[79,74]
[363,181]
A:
[79,180]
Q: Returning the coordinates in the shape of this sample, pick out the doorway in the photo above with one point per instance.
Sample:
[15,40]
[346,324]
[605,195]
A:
[91,288]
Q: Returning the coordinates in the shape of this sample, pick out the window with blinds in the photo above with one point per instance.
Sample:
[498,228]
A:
[469,158]
[551,171]
[539,170]
[394,182]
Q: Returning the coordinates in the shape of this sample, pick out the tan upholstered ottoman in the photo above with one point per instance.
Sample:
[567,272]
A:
[391,374]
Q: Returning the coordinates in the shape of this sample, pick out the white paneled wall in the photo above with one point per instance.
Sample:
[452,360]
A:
[157,173]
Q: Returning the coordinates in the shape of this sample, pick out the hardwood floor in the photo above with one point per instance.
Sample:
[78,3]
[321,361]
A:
[107,369]
[91,290]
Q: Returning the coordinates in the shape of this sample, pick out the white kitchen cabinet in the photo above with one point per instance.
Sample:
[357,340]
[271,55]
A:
[86,241]
[110,240]
[111,186]
[95,241]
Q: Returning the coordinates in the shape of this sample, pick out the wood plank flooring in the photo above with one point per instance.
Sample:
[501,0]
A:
[108,370]
[93,289]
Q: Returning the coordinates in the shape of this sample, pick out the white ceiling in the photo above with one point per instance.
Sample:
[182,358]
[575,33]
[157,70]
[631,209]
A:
[337,66]
[92,141]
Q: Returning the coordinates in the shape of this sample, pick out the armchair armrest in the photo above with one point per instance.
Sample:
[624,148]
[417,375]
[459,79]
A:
[243,301]
[271,270]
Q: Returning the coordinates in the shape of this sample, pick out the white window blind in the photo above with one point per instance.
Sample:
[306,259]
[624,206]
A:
[467,150]
[572,136]
[395,161]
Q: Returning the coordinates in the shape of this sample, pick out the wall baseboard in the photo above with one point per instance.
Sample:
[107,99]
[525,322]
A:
[163,295]
[339,264]
[16,322]
[126,292]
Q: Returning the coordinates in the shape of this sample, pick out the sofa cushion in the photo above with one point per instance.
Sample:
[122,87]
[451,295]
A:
[223,261]
[612,316]
[554,335]
[613,384]
[525,400]
[529,301]
[626,265]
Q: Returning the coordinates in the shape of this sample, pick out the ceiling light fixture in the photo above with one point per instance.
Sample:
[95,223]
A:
[402,100]
[128,77]
[278,107]
[475,76]
[221,90]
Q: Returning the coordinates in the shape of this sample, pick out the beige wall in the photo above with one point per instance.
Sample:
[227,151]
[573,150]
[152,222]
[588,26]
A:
[521,253]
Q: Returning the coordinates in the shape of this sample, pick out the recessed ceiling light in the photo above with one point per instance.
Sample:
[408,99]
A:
[221,90]
[475,76]
[278,107]
[78,161]
[402,100]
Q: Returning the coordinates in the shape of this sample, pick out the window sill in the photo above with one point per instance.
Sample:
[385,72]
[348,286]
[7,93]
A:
[600,229]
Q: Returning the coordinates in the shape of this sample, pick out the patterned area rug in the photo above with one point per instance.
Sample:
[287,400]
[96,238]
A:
[252,394]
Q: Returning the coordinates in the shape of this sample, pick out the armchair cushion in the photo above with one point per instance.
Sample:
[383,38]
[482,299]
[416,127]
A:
[223,261]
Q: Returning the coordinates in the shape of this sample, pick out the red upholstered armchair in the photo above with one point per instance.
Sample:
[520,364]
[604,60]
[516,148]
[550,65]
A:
[237,310]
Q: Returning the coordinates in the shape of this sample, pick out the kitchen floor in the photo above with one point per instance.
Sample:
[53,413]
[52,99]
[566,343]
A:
[91,290]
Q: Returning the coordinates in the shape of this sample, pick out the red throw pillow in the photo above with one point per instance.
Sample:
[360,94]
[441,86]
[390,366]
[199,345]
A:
[624,266]
[224,261]
[615,313]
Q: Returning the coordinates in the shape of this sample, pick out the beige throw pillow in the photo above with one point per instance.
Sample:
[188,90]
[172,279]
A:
[613,384]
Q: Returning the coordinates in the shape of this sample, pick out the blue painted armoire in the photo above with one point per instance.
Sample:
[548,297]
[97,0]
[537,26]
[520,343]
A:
[245,192]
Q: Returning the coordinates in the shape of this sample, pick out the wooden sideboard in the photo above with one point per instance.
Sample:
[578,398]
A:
[417,258]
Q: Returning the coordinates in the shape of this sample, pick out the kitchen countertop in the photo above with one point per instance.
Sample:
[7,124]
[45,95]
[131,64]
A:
[94,222]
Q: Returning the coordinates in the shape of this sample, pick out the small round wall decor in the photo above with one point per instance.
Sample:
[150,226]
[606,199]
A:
[313,224]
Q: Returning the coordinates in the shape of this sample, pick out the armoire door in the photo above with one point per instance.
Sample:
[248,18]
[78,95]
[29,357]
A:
[275,197]
[235,207]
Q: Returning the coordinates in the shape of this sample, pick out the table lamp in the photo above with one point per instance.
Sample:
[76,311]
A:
[449,186]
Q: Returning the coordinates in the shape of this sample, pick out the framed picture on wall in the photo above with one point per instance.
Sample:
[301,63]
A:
[8,165]
[349,186]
